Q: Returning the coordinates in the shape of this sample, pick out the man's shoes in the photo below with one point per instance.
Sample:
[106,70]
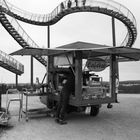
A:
[57,120]
[60,121]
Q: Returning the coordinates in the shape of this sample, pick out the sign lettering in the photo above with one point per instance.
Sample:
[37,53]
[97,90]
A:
[96,64]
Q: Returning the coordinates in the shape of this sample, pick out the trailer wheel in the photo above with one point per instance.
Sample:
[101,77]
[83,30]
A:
[94,110]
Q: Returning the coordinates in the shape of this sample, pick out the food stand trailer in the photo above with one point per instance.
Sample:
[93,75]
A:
[89,88]
[85,59]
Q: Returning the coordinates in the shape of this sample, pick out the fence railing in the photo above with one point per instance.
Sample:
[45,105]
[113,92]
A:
[109,4]
[10,61]
[13,21]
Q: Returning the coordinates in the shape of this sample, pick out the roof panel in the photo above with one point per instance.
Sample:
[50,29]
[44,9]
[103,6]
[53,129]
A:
[38,51]
[88,49]
[83,45]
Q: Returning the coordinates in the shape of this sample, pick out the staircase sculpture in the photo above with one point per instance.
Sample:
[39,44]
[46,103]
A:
[9,14]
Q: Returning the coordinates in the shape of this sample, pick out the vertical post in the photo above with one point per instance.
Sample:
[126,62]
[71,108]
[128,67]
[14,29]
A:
[16,81]
[116,61]
[112,75]
[0,97]
[48,41]
[48,36]
[78,76]
[113,32]
[31,71]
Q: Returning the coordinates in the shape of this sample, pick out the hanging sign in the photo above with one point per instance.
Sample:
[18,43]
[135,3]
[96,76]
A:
[96,64]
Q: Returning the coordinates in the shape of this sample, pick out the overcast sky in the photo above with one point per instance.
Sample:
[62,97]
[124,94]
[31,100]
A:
[87,27]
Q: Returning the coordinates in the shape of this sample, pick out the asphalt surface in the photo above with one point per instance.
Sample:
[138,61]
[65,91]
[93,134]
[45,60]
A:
[122,122]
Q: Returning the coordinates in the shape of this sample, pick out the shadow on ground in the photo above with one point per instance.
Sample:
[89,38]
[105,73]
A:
[4,128]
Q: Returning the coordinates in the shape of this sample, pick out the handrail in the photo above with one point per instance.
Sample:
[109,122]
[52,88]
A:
[5,58]
[45,19]
[105,3]
[22,32]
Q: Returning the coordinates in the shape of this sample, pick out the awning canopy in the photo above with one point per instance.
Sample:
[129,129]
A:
[38,51]
[59,50]
[87,49]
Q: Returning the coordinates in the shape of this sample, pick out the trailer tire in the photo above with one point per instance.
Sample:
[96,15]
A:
[94,111]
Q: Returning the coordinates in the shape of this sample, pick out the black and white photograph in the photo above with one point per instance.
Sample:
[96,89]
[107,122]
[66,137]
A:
[69,70]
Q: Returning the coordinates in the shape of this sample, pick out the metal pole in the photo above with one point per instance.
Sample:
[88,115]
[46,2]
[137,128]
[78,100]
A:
[113,32]
[47,67]
[117,66]
[78,77]
[32,71]
[16,81]
[48,36]
[0,97]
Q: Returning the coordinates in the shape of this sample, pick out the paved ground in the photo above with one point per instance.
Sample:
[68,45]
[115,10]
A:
[122,122]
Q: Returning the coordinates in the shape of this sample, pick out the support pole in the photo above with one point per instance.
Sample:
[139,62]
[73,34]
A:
[78,77]
[32,71]
[16,81]
[113,32]
[0,97]
[48,36]
[116,60]
[113,77]
[48,41]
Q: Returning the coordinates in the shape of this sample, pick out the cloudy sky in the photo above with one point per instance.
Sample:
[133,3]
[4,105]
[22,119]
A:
[87,27]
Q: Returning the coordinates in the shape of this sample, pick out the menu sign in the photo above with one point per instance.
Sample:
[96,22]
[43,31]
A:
[96,64]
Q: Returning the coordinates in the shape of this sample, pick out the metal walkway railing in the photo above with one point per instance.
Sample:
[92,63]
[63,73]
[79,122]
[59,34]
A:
[18,33]
[9,63]
[107,7]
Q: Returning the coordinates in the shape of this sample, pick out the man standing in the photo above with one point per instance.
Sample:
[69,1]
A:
[84,2]
[76,1]
[69,4]
[62,6]
[68,88]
